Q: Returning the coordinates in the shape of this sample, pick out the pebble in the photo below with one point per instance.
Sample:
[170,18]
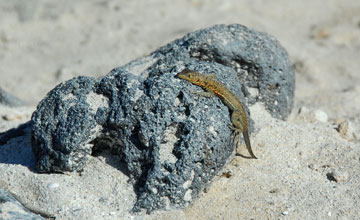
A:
[53,185]
[285,213]
[346,130]
[340,176]
[320,115]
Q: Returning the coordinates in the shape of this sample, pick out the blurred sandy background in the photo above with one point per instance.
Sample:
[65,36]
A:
[44,42]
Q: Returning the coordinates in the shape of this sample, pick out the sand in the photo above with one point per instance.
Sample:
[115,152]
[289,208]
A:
[308,166]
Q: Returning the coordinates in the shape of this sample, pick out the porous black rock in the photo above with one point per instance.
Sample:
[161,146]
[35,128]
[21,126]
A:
[171,141]
[63,124]
[263,68]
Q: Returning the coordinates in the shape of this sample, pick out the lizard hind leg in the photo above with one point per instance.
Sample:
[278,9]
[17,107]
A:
[235,139]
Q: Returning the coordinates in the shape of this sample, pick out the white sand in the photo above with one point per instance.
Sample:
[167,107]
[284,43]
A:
[43,43]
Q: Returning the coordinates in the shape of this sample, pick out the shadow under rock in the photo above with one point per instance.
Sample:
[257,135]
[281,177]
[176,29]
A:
[15,146]
[102,148]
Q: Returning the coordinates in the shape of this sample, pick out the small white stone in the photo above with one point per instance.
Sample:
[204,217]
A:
[187,196]
[320,115]
[285,213]
[53,185]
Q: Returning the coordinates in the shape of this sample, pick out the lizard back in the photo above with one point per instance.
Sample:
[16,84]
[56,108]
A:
[210,84]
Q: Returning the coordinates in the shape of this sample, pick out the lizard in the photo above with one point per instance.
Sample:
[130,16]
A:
[214,87]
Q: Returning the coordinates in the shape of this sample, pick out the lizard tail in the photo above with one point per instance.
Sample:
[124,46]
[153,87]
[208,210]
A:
[247,143]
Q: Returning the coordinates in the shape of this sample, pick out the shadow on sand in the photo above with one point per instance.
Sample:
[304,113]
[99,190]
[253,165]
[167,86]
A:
[15,146]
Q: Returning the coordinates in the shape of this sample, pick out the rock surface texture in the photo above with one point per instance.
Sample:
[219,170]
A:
[171,141]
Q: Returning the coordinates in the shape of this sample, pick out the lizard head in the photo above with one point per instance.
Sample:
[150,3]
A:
[187,74]
[191,76]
